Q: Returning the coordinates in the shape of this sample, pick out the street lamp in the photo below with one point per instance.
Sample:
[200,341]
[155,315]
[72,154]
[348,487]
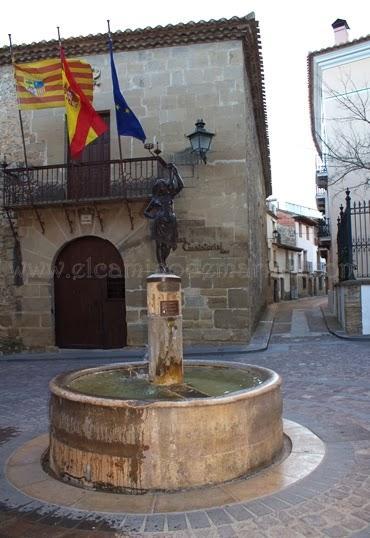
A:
[200,140]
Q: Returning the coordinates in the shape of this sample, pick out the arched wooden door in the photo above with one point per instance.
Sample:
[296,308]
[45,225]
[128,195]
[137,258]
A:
[89,294]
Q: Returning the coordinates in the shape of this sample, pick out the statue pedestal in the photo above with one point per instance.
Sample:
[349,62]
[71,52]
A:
[165,329]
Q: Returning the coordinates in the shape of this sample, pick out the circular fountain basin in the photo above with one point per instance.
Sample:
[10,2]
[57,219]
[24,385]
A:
[110,429]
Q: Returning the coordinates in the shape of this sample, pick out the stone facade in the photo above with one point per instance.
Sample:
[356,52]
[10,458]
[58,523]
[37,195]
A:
[222,253]
[352,306]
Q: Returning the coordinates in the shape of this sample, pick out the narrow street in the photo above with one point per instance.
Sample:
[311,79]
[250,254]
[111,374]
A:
[326,386]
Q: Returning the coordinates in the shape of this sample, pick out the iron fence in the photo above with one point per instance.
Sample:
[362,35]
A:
[354,239]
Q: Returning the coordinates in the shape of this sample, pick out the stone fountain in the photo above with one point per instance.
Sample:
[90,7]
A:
[163,425]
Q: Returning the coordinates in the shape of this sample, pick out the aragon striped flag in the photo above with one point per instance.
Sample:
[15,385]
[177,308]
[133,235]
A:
[83,122]
[39,84]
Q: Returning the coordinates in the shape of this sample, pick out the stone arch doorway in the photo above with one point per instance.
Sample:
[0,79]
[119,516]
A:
[89,295]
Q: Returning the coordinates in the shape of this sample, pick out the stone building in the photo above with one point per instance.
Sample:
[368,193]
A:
[75,246]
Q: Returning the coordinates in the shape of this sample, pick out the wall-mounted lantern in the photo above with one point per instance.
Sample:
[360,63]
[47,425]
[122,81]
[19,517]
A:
[201,140]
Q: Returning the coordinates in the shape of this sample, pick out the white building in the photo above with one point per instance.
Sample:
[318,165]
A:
[339,90]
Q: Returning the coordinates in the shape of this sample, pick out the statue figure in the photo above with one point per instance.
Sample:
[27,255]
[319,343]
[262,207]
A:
[160,211]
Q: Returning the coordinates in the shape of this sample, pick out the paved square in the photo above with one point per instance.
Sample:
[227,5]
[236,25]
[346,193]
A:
[326,388]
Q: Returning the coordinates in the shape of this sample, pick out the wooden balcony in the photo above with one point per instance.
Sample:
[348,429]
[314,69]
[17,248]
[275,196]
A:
[72,184]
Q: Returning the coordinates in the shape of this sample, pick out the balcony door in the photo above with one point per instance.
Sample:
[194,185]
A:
[89,294]
[89,176]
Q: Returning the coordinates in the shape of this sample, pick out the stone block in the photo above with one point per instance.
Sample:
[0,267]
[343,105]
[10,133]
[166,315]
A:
[194,76]
[5,321]
[352,310]
[200,59]
[136,298]
[201,281]
[231,281]
[177,78]
[193,335]
[218,58]
[46,320]
[45,291]
[207,100]
[30,290]
[132,316]
[37,336]
[27,320]
[217,302]
[231,318]
[237,298]
[214,292]
[36,304]
[137,334]
[191,313]
[205,313]
[196,300]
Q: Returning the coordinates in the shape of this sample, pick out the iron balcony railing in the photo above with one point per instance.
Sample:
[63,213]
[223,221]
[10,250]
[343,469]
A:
[128,179]
[320,192]
[322,177]
[324,228]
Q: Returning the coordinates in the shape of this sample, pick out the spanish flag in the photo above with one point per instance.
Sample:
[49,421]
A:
[83,122]
[39,84]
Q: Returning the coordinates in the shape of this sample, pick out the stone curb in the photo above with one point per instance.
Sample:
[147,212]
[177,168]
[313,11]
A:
[331,323]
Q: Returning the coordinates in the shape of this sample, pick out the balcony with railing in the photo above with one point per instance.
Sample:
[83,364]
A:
[68,184]
[320,199]
[322,177]
[323,233]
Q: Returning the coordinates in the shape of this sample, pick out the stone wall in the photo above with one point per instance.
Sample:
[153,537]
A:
[222,255]
[349,306]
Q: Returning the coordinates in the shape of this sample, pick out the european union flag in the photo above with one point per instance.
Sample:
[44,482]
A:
[127,122]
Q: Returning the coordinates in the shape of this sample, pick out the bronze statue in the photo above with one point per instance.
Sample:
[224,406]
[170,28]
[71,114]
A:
[160,211]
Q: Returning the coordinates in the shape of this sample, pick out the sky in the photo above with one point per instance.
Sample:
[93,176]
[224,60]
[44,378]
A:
[290,29]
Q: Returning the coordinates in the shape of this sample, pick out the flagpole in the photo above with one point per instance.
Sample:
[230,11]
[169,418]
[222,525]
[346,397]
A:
[23,141]
[118,135]
[19,110]
[121,167]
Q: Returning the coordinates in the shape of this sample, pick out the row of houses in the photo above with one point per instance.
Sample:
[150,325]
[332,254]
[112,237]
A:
[295,266]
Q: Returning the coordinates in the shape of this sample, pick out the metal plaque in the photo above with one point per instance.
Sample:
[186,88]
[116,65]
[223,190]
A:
[170,308]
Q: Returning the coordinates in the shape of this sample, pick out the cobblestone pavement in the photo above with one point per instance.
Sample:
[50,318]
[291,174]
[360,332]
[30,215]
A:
[326,388]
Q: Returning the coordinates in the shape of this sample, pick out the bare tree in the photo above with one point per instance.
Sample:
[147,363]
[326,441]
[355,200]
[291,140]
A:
[346,143]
